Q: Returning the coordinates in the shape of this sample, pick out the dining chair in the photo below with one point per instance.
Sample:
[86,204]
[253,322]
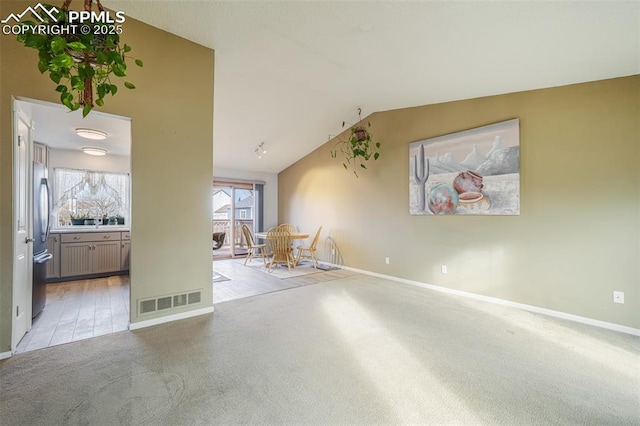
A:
[252,246]
[290,228]
[311,250]
[287,227]
[281,252]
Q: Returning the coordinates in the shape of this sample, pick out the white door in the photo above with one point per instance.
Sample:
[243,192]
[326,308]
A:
[23,256]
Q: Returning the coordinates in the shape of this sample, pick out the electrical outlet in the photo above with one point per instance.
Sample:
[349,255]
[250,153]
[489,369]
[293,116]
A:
[386,260]
[444,269]
[618,297]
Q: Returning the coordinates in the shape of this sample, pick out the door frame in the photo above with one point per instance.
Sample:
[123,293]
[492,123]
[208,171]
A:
[25,285]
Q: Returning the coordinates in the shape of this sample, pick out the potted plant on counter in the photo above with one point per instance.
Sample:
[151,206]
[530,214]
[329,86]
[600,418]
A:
[78,219]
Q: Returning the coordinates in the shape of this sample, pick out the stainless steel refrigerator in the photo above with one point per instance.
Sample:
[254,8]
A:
[41,217]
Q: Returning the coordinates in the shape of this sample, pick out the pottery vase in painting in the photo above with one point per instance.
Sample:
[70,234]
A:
[468,181]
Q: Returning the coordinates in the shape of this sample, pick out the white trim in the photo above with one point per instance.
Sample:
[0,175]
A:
[5,355]
[170,318]
[530,308]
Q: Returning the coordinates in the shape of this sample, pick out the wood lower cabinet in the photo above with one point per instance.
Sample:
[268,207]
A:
[76,259]
[91,253]
[124,261]
[53,246]
[106,257]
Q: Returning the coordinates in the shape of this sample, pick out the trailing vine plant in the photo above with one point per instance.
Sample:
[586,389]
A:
[358,148]
[81,61]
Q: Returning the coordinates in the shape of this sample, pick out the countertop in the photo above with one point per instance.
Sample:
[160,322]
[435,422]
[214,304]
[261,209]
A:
[90,228]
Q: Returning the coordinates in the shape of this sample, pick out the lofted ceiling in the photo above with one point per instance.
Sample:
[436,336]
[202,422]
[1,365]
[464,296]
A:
[288,73]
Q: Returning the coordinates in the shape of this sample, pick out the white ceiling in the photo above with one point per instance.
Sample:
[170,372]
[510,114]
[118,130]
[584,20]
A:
[289,72]
[54,125]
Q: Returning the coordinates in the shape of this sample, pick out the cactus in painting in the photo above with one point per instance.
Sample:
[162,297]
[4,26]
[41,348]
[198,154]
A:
[421,176]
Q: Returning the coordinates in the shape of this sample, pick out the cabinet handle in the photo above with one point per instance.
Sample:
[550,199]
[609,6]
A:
[106,236]
[76,238]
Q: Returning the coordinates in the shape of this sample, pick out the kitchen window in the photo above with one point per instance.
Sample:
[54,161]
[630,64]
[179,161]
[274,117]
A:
[84,196]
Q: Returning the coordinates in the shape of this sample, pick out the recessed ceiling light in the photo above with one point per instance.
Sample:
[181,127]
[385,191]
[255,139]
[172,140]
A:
[91,134]
[93,151]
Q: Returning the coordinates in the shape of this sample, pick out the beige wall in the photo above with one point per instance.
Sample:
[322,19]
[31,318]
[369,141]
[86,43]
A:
[575,242]
[172,147]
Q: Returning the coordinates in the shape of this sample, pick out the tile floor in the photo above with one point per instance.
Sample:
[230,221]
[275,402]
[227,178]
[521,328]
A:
[82,309]
[77,310]
[245,281]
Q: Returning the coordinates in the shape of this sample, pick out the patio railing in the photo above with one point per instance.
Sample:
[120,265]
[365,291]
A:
[220,225]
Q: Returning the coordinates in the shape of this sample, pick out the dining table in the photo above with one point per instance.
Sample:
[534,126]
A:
[293,236]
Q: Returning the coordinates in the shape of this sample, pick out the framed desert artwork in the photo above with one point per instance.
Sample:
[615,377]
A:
[473,172]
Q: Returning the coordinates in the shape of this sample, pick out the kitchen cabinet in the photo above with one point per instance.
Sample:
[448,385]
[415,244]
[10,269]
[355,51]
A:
[76,259]
[91,253]
[53,246]
[105,257]
[125,248]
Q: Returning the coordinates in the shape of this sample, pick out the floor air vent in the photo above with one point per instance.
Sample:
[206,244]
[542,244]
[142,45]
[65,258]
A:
[180,300]
[163,303]
[147,306]
[194,297]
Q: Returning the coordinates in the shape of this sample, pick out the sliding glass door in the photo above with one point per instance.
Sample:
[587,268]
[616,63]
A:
[234,205]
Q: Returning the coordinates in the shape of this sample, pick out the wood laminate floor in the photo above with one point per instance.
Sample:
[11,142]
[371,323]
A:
[82,309]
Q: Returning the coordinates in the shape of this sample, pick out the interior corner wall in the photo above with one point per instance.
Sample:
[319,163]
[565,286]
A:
[575,241]
[172,147]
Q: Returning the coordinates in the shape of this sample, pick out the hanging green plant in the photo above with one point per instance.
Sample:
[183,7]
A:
[358,148]
[83,59]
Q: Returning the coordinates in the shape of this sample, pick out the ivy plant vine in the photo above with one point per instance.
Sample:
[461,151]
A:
[82,62]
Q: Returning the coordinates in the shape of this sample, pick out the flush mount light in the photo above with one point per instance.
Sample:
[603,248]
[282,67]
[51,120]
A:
[93,151]
[91,134]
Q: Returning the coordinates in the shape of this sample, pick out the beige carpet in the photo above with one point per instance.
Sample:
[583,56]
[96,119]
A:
[358,350]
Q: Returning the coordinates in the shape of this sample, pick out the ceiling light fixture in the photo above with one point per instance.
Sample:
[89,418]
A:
[260,150]
[93,151]
[91,134]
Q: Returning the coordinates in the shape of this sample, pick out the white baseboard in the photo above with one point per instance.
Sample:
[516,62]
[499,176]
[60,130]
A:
[531,308]
[5,355]
[170,318]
